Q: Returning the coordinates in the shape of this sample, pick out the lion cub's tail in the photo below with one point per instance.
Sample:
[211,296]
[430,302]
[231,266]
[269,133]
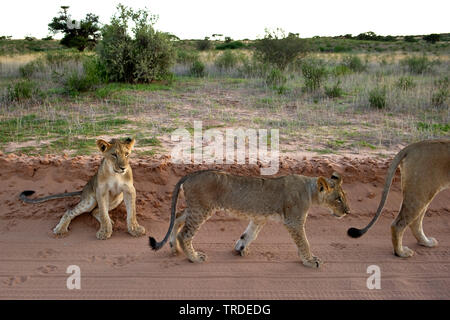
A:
[25,194]
[158,245]
[356,233]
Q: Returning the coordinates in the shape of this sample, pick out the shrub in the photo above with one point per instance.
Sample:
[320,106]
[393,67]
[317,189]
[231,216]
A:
[186,57]
[21,90]
[354,63]
[276,78]
[230,45]
[31,67]
[226,61]
[197,69]
[335,91]
[279,50]
[204,44]
[140,55]
[341,70]
[439,97]
[432,38]
[377,98]
[405,83]
[410,39]
[83,80]
[417,65]
[314,73]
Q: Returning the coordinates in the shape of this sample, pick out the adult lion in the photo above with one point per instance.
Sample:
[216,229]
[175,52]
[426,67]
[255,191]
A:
[285,199]
[425,171]
[111,184]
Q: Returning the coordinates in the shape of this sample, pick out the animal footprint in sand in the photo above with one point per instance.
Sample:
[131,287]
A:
[12,281]
[47,268]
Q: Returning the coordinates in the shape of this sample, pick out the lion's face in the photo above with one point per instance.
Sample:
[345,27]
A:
[332,195]
[116,153]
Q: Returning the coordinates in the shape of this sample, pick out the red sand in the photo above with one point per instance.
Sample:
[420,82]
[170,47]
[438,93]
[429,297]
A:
[33,262]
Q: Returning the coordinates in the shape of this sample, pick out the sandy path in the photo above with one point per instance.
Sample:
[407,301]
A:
[33,262]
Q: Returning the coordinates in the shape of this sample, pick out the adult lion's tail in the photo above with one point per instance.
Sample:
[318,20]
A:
[356,233]
[158,245]
[25,194]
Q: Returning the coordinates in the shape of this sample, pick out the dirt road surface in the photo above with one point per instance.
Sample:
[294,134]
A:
[33,262]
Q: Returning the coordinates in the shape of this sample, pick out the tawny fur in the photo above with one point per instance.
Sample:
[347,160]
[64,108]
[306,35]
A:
[111,184]
[425,171]
[286,199]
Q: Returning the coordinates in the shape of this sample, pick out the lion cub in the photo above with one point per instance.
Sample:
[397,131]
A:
[285,199]
[112,184]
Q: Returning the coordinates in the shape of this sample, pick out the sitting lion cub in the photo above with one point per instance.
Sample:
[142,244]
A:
[285,198]
[112,183]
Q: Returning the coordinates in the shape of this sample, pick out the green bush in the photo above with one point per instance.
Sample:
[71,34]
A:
[335,91]
[204,44]
[226,61]
[439,97]
[410,39]
[21,90]
[230,45]
[139,55]
[276,78]
[417,65]
[314,73]
[83,80]
[354,63]
[377,98]
[405,83]
[31,67]
[197,69]
[341,70]
[186,56]
[280,50]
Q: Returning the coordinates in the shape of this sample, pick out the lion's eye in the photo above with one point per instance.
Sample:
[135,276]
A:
[114,155]
[127,154]
[338,200]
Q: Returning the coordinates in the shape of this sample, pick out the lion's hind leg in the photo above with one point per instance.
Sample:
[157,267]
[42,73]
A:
[192,224]
[250,234]
[179,223]
[85,205]
[417,230]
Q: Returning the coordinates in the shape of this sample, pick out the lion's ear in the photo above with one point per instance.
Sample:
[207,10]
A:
[130,142]
[322,185]
[337,177]
[103,145]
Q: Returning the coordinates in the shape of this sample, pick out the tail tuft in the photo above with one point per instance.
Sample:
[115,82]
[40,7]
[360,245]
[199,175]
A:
[27,193]
[155,246]
[355,233]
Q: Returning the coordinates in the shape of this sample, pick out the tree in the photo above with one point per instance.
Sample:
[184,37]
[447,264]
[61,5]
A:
[278,49]
[432,38]
[137,54]
[80,36]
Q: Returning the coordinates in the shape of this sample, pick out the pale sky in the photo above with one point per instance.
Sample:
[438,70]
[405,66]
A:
[242,19]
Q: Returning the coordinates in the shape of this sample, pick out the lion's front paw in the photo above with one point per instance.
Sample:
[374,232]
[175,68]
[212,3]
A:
[314,262]
[199,257]
[60,231]
[103,234]
[404,253]
[136,230]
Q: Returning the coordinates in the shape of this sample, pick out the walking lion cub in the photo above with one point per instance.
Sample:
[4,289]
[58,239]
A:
[286,198]
[112,184]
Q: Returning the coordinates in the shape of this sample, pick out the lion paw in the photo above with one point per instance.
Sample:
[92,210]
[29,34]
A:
[199,257]
[136,230]
[313,263]
[103,234]
[432,242]
[60,231]
[405,253]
